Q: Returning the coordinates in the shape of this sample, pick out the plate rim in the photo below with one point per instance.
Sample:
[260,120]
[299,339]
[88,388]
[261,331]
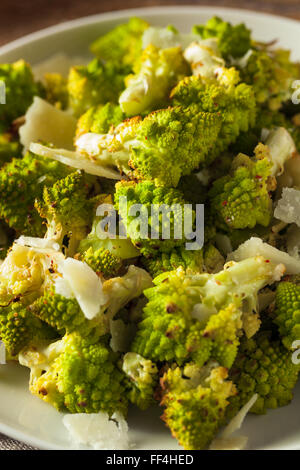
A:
[63,26]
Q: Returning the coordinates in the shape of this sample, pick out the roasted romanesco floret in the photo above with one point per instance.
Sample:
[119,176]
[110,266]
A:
[198,316]
[21,181]
[158,231]
[233,41]
[56,90]
[142,379]
[68,209]
[20,88]
[96,83]
[123,44]
[76,374]
[102,261]
[191,260]
[195,401]
[99,119]
[155,74]
[9,148]
[263,366]
[287,310]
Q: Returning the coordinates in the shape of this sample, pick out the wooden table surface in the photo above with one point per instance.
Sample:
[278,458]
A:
[19,17]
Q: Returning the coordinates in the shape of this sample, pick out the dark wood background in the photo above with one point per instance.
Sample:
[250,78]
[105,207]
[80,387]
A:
[24,16]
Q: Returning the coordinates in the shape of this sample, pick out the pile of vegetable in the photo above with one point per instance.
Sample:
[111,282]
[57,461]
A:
[159,117]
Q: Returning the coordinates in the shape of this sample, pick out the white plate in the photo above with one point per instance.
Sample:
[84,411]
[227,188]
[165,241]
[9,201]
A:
[27,418]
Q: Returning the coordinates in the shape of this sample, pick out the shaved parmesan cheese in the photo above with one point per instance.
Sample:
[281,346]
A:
[291,173]
[226,441]
[33,242]
[57,63]
[47,123]
[164,38]
[203,58]
[98,431]
[255,246]
[288,207]
[74,160]
[282,148]
[85,285]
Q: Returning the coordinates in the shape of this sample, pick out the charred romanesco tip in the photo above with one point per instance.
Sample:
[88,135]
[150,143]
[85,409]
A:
[96,83]
[242,200]
[233,41]
[155,74]
[20,88]
[287,311]
[195,401]
[56,90]
[123,44]
[76,374]
[265,367]
[21,181]
[164,262]
[163,231]
[142,379]
[99,119]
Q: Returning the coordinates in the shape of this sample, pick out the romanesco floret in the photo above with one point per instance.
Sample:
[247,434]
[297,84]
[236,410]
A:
[142,379]
[159,231]
[20,88]
[242,200]
[233,41]
[287,310]
[56,90]
[96,83]
[191,260]
[263,366]
[195,401]
[21,181]
[155,74]
[186,314]
[19,327]
[233,102]
[76,374]
[68,209]
[99,119]
[102,261]
[123,44]
[271,74]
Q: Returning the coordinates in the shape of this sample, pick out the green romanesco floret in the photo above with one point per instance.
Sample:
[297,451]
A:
[96,83]
[191,260]
[99,119]
[241,199]
[287,310]
[9,148]
[68,209]
[102,261]
[233,102]
[155,74]
[233,41]
[165,145]
[56,90]
[186,313]
[271,74]
[142,379]
[195,401]
[20,88]
[19,327]
[123,44]
[76,374]
[265,367]
[161,228]
[21,181]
